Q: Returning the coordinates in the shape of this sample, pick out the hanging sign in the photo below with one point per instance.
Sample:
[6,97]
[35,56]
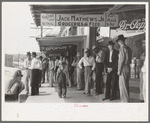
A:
[112,20]
[48,19]
[74,20]
[136,24]
[53,48]
[80,20]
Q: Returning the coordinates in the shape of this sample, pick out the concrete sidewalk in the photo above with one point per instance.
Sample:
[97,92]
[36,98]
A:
[50,95]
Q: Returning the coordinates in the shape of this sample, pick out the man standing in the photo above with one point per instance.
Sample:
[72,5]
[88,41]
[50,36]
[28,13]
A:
[89,64]
[40,70]
[51,72]
[124,62]
[111,65]
[27,64]
[99,68]
[141,73]
[35,66]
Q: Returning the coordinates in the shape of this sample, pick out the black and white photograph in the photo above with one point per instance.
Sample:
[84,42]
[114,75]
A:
[79,61]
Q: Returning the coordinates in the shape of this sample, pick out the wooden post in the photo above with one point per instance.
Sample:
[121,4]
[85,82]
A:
[41,31]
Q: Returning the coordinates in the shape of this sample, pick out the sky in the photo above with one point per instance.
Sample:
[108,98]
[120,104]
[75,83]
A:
[16,29]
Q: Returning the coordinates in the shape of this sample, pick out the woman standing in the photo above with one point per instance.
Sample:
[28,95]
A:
[51,72]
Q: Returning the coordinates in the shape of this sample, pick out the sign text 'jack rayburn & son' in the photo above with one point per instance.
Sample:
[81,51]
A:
[95,20]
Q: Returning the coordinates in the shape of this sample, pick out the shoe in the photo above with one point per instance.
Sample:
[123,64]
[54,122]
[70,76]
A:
[64,96]
[105,98]
[111,99]
[88,94]
[83,92]
[79,89]
[141,100]
[60,96]
[32,94]
[96,94]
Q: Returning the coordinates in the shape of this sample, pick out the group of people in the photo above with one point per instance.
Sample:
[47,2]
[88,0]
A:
[86,72]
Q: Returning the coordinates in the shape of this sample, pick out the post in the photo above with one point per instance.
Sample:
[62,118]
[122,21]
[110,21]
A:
[41,31]
[18,59]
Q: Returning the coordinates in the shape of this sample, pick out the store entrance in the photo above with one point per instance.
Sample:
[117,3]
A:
[69,52]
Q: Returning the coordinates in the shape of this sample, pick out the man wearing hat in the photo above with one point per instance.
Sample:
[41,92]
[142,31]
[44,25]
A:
[27,64]
[99,68]
[111,65]
[125,56]
[89,64]
[35,74]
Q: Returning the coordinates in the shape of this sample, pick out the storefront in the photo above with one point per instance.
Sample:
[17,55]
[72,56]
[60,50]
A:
[71,17]
[62,46]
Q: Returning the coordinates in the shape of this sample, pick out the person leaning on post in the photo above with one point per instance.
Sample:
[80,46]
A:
[125,56]
[89,64]
[99,68]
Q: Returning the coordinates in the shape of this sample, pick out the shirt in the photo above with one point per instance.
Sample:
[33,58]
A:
[87,61]
[125,56]
[110,56]
[35,64]
[27,63]
[51,65]
[100,56]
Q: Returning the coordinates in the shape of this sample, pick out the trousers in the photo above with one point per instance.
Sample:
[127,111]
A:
[124,84]
[35,80]
[99,77]
[62,89]
[88,79]
[27,79]
[141,86]
[111,83]
[80,79]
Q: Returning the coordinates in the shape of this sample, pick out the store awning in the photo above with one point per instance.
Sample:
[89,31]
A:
[45,41]
[126,8]
[36,10]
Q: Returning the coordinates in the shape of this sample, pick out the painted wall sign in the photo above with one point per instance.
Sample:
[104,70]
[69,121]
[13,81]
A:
[136,24]
[95,20]
[53,48]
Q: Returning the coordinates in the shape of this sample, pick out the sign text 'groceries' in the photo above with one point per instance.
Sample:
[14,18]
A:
[95,20]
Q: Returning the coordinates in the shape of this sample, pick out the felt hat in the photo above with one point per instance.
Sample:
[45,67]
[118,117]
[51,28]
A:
[110,43]
[87,50]
[28,53]
[120,37]
[33,53]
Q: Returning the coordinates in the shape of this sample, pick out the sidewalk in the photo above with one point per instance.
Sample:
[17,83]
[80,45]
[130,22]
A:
[49,95]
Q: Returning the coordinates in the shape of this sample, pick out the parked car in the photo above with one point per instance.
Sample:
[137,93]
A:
[13,84]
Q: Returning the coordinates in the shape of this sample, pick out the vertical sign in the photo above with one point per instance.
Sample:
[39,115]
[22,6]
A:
[47,19]
[112,20]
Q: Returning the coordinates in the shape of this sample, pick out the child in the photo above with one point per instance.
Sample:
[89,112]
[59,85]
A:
[61,80]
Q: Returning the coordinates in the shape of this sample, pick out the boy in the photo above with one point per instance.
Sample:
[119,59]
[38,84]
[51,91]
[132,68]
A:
[61,80]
